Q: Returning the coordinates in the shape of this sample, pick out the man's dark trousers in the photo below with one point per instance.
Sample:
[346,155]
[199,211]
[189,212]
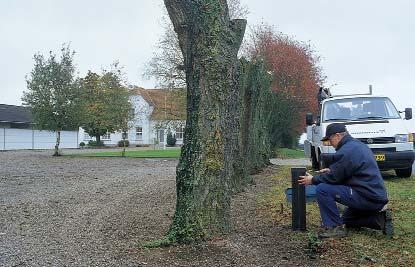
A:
[360,211]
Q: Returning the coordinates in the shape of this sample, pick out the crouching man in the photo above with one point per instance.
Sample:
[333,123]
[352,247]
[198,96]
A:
[354,180]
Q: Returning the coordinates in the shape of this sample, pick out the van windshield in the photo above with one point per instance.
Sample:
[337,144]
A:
[362,108]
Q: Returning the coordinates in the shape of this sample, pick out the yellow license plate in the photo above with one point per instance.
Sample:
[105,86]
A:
[380,157]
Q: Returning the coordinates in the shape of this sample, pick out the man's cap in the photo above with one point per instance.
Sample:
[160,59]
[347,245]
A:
[333,129]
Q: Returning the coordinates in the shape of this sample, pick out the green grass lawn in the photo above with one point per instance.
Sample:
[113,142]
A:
[284,153]
[363,247]
[168,153]
[288,153]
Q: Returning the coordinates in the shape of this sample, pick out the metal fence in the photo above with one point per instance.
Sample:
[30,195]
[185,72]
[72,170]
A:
[12,139]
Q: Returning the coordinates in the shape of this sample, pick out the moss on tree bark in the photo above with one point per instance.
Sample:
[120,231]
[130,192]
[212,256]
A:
[256,111]
[206,173]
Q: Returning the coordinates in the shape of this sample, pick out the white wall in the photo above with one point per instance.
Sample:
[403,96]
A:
[142,112]
[2,141]
[141,119]
[11,139]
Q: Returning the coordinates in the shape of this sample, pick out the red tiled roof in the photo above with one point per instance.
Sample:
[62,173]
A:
[168,105]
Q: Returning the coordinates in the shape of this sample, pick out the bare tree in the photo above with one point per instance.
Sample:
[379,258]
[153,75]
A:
[166,65]
[237,10]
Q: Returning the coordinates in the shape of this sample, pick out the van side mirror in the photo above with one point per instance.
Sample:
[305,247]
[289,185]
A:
[408,114]
[309,119]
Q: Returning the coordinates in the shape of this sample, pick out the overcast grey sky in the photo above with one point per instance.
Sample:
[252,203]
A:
[361,42]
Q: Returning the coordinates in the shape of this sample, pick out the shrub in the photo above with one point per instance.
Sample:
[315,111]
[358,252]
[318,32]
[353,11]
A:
[95,143]
[171,139]
[82,144]
[123,143]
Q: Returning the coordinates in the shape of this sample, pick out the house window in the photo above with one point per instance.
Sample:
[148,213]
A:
[179,133]
[160,135]
[87,136]
[106,136]
[139,133]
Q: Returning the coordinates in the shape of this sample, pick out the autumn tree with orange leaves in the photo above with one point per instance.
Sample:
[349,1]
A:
[297,78]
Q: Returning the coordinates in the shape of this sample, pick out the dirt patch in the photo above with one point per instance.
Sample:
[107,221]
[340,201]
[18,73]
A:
[256,239]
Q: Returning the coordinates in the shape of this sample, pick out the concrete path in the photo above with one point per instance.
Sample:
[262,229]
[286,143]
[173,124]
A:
[291,162]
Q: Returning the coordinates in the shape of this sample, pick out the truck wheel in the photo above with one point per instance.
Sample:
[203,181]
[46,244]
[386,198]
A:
[314,161]
[405,173]
[321,163]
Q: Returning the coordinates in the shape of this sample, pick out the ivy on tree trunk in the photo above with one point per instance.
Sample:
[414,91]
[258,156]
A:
[209,167]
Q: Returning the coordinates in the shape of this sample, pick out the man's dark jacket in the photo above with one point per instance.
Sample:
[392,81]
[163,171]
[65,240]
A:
[355,166]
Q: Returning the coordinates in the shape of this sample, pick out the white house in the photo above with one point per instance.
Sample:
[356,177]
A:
[156,113]
[17,131]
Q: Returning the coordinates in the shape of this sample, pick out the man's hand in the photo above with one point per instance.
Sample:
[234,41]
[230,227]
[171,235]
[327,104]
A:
[325,170]
[306,180]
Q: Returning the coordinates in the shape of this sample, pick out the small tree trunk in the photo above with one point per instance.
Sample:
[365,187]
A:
[98,139]
[123,149]
[58,141]
[206,172]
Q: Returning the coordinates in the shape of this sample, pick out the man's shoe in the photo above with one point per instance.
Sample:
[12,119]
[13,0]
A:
[385,222]
[334,232]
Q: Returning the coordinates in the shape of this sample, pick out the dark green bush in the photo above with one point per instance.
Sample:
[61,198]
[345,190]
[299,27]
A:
[95,143]
[123,143]
[171,139]
[82,144]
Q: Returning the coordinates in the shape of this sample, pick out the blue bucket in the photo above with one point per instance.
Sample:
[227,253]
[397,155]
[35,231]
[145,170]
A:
[310,194]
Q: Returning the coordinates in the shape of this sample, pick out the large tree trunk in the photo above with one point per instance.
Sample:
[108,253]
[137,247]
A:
[58,141]
[208,169]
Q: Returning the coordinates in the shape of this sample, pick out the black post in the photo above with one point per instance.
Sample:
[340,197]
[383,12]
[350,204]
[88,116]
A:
[298,200]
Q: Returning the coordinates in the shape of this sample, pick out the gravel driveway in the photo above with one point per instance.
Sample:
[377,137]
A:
[80,211]
[70,211]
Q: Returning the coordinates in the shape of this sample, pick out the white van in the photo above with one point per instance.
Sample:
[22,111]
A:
[374,120]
